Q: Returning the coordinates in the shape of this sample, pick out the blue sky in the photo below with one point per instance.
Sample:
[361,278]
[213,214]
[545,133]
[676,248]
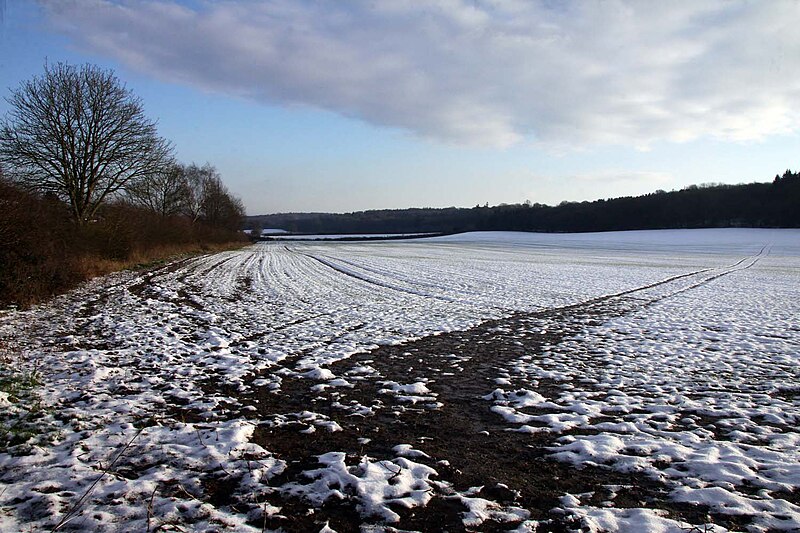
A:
[315,106]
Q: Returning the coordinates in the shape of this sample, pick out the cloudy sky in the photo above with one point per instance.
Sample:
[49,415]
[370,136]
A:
[342,106]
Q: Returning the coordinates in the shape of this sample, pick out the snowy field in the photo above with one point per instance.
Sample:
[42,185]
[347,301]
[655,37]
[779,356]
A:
[286,385]
[348,236]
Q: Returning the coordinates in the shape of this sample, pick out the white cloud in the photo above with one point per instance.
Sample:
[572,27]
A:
[630,176]
[484,72]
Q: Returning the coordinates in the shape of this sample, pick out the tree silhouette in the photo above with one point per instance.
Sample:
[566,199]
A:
[79,133]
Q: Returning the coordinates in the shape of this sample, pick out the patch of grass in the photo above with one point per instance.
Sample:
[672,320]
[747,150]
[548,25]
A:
[22,414]
[16,385]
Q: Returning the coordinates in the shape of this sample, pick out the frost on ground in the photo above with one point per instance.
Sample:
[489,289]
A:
[637,381]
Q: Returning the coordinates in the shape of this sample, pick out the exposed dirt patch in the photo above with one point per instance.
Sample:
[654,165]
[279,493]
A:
[467,443]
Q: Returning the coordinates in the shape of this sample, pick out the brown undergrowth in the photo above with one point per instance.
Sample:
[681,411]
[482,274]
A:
[43,252]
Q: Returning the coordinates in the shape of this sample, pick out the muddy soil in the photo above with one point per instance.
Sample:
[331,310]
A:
[470,446]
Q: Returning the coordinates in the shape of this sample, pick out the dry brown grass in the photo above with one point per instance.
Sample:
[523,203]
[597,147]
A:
[93,266]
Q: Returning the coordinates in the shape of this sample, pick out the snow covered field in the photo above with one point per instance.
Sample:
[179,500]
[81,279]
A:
[165,398]
[348,236]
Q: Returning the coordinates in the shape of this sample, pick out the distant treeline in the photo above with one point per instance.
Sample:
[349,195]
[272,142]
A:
[772,205]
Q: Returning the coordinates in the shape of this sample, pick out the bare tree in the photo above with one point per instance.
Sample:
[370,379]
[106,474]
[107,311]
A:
[195,180]
[165,192]
[206,198]
[80,133]
[220,207]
